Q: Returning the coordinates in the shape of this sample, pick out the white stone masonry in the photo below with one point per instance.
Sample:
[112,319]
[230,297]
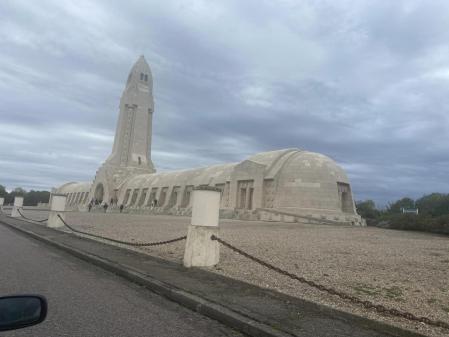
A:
[18,203]
[200,250]
[57,207]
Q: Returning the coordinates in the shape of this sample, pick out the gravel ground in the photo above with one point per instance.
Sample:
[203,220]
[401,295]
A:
[400,269]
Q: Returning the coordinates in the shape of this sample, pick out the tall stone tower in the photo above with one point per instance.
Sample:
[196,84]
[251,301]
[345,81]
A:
[131,153]
[132,143]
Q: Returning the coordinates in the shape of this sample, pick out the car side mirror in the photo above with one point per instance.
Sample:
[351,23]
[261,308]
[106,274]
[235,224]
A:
[20,311]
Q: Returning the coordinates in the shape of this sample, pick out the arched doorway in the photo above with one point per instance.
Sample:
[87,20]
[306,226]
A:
[99,193]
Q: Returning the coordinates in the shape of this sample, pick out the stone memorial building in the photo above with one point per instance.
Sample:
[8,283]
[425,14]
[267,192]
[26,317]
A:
[284,185]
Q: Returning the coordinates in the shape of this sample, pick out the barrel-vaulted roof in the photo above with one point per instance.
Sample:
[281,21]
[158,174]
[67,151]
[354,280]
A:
[308,166]
[211,175]
[74,187]
[273,161]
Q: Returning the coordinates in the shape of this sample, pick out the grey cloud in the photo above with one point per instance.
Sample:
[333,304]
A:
[363,82]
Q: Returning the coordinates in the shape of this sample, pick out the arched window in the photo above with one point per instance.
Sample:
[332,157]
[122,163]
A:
[141,76]
[146,78]
[139,160]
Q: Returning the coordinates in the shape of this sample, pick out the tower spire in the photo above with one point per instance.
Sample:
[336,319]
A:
[131,153]
[132,142]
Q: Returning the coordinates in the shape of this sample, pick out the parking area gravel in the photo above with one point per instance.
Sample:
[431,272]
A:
[405,270]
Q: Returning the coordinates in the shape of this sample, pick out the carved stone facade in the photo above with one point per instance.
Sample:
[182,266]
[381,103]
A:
[283,185]
[268,193]
[131,153]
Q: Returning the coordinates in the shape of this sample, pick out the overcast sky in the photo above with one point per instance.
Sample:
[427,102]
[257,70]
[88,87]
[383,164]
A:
[364,82]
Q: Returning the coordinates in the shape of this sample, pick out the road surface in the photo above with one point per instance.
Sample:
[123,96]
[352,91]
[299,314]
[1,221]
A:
[87,301]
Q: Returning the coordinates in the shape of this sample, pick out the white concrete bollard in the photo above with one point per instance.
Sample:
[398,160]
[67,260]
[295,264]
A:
[57,206]
[200,250]
[2,202]
[18,203]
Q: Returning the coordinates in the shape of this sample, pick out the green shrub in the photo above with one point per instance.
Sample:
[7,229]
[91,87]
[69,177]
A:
[414,222]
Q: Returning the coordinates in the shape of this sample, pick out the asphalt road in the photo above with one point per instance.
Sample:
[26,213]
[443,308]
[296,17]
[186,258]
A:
[87,301]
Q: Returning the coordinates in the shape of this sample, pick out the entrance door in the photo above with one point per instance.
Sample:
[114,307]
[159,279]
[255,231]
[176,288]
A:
[99,193]
[242,198]
[250,198]
[346,203]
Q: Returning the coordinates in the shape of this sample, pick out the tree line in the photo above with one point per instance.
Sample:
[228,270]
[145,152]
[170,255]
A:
[30,198]
[433,213]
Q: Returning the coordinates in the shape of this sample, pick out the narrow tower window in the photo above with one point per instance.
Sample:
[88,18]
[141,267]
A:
[139,160]
[141,76]
[146,78]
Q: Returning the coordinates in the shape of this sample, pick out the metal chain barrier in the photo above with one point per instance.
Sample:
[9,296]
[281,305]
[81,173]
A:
[135,244]
[366,304]
[23,216]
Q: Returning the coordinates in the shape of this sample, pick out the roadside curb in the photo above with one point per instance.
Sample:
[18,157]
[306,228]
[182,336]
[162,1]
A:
[193,302]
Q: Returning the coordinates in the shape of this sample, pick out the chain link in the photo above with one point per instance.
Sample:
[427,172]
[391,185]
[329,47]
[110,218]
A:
[366,304]
[23,216]
[134,244]
[353,299]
